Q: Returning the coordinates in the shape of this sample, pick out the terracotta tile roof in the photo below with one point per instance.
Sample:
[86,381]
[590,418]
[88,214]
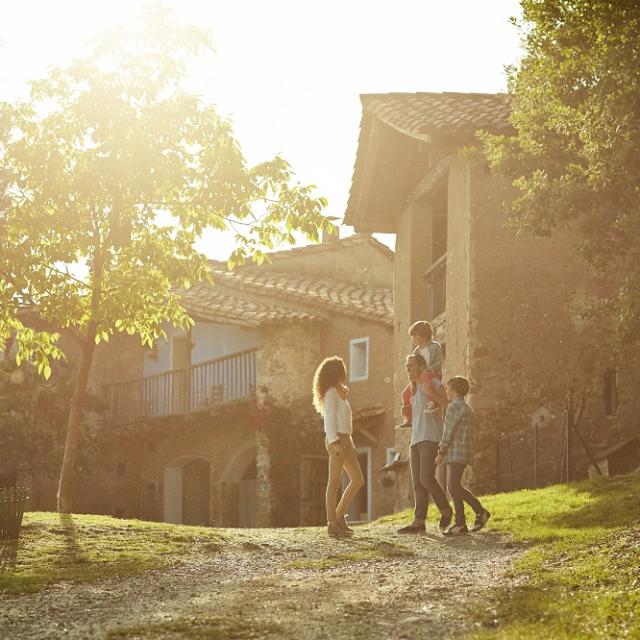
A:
[203,302]
[322,295]
[421,114]
[407,123]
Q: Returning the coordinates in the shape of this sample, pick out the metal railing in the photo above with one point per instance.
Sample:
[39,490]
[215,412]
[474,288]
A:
[436,279]
[182,391]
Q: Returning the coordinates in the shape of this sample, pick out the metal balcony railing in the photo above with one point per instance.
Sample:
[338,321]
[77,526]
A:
[436,279]
[183,391]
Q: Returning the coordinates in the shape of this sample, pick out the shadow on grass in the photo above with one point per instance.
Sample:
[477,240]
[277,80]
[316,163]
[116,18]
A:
[613,504]
[73,552]
[8,554]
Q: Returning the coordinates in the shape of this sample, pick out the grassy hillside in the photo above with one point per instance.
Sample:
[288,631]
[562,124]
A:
[581,576]
[578,578]
[54,547]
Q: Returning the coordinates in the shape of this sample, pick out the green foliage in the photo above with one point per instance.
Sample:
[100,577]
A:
[575,160]
[111,171]
[33,415]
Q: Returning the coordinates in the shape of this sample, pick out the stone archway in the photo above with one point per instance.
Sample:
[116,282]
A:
[187,491]
[238,490]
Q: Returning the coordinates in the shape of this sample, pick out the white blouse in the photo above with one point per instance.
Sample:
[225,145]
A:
[337,415]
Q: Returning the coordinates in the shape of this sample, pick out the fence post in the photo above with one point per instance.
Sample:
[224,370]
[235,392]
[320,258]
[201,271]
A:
[498,461]
[568,443]
[535,455]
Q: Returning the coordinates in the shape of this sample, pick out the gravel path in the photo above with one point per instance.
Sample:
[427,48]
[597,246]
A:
[281,583]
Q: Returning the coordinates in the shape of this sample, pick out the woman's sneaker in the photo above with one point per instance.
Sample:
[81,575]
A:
[456,529]
[481,520]
[335,530]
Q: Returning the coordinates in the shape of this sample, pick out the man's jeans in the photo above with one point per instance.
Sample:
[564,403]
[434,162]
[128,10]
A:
[423,475]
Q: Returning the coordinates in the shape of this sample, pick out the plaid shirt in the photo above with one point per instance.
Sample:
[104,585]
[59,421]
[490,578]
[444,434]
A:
[456,443]
[433,356]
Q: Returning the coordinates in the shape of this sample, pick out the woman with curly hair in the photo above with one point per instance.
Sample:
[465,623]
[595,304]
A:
[330,400]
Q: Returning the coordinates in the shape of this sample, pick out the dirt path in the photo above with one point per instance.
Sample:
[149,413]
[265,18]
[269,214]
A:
[287,583]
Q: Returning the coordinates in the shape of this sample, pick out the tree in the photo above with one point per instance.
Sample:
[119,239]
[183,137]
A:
[115,170]
[31,344]
[575,158]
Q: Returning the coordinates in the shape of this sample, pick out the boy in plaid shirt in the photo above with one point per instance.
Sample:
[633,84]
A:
[455,450]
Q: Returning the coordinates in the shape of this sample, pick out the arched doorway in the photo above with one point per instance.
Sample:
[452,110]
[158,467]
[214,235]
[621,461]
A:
[187,492]
[238,490]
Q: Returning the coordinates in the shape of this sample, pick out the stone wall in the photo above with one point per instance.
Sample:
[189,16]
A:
[529,344]
[378,388]
[512,326]
[288,357]
[125,474]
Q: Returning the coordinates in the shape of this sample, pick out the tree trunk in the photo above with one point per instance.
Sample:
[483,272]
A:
[67,472]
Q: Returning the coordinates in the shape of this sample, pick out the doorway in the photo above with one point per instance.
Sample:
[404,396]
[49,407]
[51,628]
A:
[187,492]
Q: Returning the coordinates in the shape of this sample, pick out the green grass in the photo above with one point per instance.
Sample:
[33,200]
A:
[580,577]
[200,628]
[54,547]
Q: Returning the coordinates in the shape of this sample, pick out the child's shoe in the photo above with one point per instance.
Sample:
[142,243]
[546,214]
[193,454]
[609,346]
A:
[404,425]
[481,520]
[456,529]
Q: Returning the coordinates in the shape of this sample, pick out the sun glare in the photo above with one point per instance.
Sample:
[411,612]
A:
[290,81]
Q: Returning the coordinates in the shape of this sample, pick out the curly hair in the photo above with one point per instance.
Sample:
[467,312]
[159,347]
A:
[330,372]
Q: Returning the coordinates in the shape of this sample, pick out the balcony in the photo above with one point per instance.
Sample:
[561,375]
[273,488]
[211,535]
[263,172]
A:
[184,391]
[436,279]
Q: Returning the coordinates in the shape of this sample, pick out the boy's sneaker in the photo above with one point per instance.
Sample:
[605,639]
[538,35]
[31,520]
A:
[481,520]
[445,521]
[414,527]
[404,425]
[456,529]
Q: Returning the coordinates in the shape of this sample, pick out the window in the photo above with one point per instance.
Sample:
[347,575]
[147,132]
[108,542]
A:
[610,392]
[358,359]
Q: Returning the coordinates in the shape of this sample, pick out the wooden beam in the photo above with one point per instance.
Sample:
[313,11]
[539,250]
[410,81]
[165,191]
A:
[368,435]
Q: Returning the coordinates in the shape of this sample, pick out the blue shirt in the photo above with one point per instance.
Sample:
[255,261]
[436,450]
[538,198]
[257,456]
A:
[423,426]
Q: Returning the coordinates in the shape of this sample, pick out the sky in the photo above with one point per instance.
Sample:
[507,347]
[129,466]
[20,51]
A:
[289,73]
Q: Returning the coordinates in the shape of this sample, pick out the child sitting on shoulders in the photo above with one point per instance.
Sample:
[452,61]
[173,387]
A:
[421,334]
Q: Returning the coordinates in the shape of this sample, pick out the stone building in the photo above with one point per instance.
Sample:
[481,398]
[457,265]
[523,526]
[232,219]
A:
[215,425]
[505,307]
